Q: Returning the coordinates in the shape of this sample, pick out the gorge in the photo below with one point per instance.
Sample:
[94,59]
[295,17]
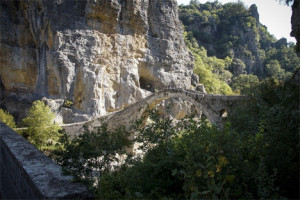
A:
[101,64]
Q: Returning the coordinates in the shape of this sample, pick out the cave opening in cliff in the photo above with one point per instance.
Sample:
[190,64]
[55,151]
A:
[146,84]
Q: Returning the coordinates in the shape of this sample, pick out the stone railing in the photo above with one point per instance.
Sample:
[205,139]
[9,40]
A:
[26,173]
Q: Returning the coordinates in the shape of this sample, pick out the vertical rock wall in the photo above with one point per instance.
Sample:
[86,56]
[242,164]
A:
[295,21]
[100,54]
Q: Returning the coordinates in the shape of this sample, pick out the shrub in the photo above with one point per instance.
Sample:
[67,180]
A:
[68,103]
[7,119]
[92,154]
[41,130]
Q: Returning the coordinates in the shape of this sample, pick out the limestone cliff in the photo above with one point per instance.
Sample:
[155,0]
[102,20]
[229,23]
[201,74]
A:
[100,54]
[295,21]
[229,30]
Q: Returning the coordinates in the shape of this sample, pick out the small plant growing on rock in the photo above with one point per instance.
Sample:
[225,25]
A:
[68,103]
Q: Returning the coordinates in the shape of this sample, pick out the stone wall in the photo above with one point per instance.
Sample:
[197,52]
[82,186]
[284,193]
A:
[26,173]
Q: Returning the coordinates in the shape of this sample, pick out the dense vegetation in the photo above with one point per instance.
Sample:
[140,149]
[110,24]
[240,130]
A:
[254,156]
[212,72]
[228,41]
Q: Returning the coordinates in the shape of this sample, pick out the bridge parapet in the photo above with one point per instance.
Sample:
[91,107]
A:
[210,105]
[26,173]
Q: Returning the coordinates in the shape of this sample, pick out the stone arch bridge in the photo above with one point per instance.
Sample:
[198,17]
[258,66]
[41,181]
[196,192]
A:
[212,106]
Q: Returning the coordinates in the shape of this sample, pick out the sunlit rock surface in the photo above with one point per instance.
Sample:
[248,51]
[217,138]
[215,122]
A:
[100,54]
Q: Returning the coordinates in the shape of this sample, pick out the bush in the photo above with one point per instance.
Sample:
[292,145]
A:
[92,154]
[244,83]
[7,119]
[210,70]
[68,103]
[41,130]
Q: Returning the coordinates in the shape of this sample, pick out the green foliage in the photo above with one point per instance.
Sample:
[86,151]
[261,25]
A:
[212,72]
[41,130]
[244,83]
[194,2]
[254,157]
[94,153]
[68,103]
[233,30]
[286,57]
[272,114]
[192,160]
[7,119]
[274,70]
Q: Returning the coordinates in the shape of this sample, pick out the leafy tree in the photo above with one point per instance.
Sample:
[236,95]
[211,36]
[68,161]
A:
[274,70]
[94,153]
[272,114]
[286,57]
[244,83]
[7,118]
[194,2]
[41,130]
[212,72]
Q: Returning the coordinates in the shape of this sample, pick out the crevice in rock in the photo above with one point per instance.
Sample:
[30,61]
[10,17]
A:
[2,89]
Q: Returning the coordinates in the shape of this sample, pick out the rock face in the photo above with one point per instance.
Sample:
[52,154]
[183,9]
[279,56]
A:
[295,21]
[221,30]
[100,54]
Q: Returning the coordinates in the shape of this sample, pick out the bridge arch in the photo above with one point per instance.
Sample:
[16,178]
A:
[214,107]
[197,101]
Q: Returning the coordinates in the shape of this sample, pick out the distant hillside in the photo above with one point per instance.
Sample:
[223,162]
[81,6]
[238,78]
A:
[233,33]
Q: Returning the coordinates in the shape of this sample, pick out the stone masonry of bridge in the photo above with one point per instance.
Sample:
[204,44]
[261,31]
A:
[26,173]
[212,106]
